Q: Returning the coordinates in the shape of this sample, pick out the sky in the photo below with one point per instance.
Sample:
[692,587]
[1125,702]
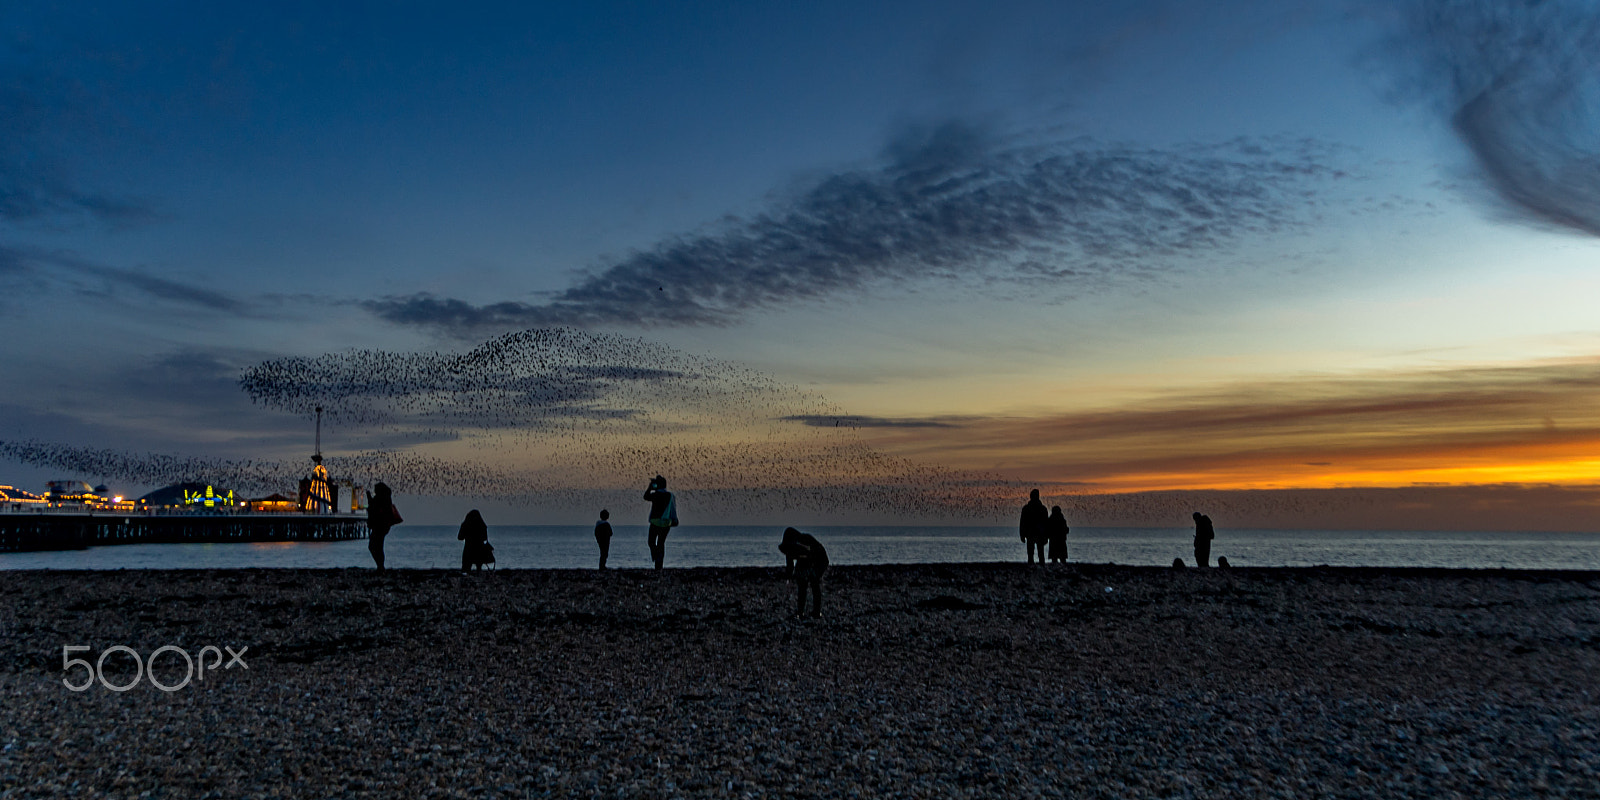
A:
[824,262]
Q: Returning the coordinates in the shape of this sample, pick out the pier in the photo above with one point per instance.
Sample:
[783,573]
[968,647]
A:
[55,530]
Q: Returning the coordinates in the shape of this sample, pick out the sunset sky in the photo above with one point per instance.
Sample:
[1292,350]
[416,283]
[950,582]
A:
[1104,248]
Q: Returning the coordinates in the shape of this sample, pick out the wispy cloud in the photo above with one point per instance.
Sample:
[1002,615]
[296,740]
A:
[65,268]
[948,202]
[1520,82]
[35,183]
[859,421]
[1511,424]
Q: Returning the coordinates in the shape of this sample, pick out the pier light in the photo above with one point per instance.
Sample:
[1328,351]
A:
[208,498]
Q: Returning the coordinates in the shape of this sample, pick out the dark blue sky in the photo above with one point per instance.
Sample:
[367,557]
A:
[919,210]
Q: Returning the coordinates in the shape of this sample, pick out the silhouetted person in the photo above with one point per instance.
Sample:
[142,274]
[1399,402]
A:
[807,561]
[663,516]
[1058,536]
[602,536]
[1203,534]
[381,516]
[1035,527]
[476,552]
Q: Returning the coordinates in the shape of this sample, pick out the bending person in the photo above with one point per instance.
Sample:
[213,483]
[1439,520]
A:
[807,560]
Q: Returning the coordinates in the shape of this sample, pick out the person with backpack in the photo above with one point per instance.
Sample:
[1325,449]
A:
[663,518]
[475,533]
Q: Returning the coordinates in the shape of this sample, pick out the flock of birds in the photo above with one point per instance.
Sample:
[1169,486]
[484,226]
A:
[565,419]
[531,383]
[561,418]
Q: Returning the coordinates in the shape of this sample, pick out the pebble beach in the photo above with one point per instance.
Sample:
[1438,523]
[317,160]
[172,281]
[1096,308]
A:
[955,680]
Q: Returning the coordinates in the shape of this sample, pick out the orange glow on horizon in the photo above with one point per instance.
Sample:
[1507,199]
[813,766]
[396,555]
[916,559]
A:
[1387,471]
[1574,474]
[1534,424]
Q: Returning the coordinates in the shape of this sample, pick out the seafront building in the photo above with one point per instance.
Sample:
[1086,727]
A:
[74,515]
[71,519]
[15,500]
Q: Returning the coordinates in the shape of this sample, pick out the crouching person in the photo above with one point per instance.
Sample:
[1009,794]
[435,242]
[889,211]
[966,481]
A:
[807,561]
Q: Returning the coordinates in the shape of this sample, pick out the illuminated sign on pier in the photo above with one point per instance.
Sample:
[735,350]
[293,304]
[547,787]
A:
[208,498]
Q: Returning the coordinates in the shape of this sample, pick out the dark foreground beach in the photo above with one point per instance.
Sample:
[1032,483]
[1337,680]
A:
[919,681]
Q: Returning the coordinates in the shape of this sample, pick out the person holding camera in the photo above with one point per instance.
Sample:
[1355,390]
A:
[663,518]
[381,516]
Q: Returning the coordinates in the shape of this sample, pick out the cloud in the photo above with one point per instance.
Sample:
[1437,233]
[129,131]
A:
[858,421]
[948,202]
[1486,425]
[1520,83]
[450,313]
[34,183]
[579,412]
[55,266]
[554,418]
[737,443]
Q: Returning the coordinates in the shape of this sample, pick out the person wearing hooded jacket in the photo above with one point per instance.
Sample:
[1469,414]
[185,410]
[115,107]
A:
[1058,536]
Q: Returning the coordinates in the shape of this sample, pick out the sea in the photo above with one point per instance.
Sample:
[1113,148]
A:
[569,547]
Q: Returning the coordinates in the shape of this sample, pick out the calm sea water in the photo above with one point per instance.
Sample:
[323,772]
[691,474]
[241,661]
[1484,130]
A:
[555,546]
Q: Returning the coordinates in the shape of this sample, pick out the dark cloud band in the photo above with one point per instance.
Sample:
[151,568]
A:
[48,266]
[858,421]
[948,203]
[1519,83]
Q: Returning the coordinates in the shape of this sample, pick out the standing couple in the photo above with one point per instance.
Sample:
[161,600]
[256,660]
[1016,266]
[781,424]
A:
[1040,528]
[663,518]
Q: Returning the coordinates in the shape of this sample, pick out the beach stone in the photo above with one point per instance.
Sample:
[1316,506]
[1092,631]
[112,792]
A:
[1407,683]
[947,602]
[1177,563]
